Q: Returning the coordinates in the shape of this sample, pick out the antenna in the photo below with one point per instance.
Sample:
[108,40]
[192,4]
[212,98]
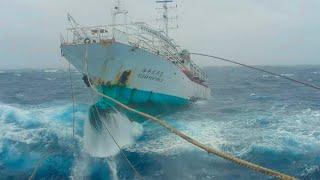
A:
[117,9]
[165,17]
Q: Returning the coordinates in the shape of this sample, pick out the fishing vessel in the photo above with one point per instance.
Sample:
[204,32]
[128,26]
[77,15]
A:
[134,63]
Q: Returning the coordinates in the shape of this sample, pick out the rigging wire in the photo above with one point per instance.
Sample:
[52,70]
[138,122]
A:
[39,163]
[73,102]
[259,69]
[203,146]
[119,147]
[123,155]
[45,155]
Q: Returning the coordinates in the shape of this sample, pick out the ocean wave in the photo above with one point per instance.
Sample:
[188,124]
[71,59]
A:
[33,126]
[46,125]
[311,172]
[158,140]
[267,138]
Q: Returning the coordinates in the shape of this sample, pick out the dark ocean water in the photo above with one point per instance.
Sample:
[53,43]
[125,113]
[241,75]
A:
[254,116]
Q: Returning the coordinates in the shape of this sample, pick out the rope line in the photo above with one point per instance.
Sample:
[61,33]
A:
[51,152]
[44,157]
[208,149]
[123,155]
[118,146]
[73,102]
[259,69]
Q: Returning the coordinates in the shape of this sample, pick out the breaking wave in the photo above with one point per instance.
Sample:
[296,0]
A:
[33,125]
[101,144]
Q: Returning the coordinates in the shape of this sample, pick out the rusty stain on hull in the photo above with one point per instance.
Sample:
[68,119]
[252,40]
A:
[123,78]
[106,42]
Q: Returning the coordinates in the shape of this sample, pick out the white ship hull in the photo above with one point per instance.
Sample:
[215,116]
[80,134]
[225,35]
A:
[133,75]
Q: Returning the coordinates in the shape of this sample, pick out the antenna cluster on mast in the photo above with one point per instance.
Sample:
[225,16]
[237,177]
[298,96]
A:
[117,9]
[165,17]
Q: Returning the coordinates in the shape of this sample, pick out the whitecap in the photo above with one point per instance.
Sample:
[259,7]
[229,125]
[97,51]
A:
[287,75]
[19,95]
[51,70]
[50,79]
[201,102]
[32,125]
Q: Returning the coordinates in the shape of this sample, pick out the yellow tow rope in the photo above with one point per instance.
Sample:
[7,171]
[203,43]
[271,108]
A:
[209,149]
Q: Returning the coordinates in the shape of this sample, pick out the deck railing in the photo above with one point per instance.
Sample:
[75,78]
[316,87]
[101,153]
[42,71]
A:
[138,35]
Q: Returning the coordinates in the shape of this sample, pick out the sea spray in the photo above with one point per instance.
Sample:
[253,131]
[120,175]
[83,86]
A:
[100,143]
[113,167]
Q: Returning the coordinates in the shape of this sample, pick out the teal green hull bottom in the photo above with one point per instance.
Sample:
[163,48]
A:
[144,101]
[138,97]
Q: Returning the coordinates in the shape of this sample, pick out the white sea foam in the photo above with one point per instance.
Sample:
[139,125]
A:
[101,144]
[32,125]
[51,70]
[50,79]
[201,102]
[279,132]
[287,75]
[80,167]
[162,142]
[113,168]
[19,95]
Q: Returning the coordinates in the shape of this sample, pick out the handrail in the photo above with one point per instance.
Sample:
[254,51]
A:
[142,35]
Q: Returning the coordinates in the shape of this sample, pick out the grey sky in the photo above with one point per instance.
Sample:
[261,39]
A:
[271,32]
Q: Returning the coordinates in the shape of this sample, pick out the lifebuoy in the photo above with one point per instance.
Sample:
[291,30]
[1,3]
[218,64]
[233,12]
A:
[87,41]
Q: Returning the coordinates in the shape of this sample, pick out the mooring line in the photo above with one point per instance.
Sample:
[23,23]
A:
[73,102]
[122,154]
[258,69]
[208,149]
[44,157]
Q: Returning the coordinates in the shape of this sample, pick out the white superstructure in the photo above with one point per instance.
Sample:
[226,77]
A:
[134,62]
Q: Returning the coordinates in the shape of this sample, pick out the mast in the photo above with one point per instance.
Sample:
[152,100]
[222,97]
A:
[165,15]
[117,9]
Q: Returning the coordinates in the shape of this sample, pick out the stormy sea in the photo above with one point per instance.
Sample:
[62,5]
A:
[254,116]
